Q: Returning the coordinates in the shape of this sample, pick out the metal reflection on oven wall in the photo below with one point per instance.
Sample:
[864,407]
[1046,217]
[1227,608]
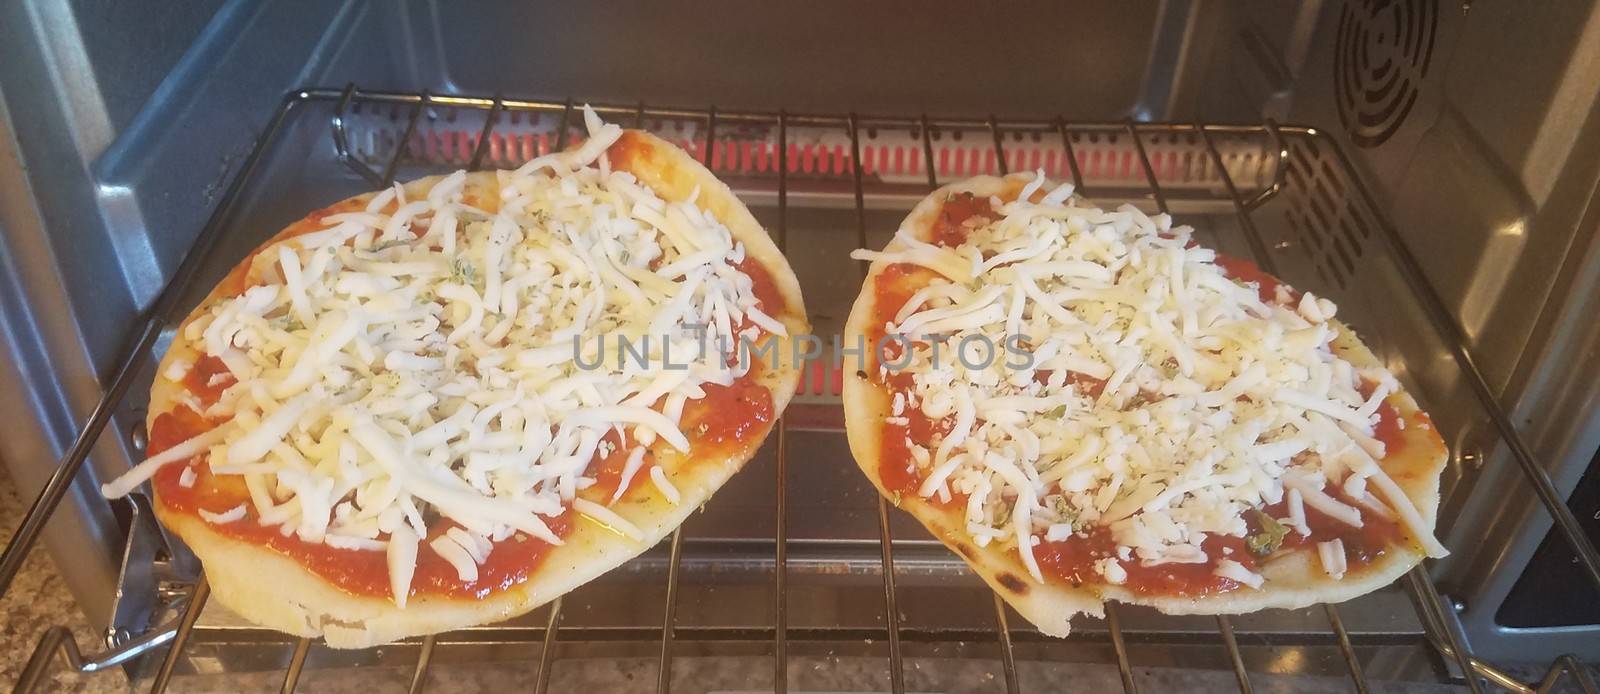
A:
[1382,50]
[1499,132]
[1490,181]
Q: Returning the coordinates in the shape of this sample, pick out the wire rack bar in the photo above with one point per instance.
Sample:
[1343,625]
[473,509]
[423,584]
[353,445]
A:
[1358,678]
[37,669]
[1432,609]
[1120,646]
[1431,605]
[341,138]
[132,360]
[1008,655]
[1436,621]
[1279,172]
[534,635]
[1565,664]
[562,134]
[1259,250]
[1224,627]
[547,653]
[58,639]
[1156,193]
[760,117]
[419,674]
[780,575]
[191,612]
[1456,338]
[297,662]
[1252,236]
[405,139]
[1072,156]
[489,121]
[897,666]
[1001,165]
[664,671]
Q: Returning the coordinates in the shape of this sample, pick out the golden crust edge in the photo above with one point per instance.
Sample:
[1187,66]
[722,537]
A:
[1052,606]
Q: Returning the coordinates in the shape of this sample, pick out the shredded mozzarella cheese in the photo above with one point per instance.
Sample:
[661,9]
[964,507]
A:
[1163,400]
[658,477]
[228,516]
[425,361]
[1331,555]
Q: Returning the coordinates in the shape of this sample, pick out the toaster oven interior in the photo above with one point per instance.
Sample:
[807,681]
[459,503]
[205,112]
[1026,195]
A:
[830,122]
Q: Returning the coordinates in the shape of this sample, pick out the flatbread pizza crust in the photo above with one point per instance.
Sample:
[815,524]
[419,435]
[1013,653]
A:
[271,589]
[1294,580]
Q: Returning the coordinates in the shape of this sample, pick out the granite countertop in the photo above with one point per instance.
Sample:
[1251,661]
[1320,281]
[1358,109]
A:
[38,600]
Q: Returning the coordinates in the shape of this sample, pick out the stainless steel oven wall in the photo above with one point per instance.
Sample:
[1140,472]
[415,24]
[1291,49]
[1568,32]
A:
[1083,60]
[1476,123]
[121,123]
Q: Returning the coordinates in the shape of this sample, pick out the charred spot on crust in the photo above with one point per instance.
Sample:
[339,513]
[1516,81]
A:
[966,551]
[1012,583]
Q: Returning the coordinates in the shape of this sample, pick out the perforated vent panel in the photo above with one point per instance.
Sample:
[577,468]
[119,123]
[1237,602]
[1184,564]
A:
[1381,55]
[1323,214]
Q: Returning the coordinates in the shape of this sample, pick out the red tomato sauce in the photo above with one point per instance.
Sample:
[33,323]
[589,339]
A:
[1072,560]
[952,226]
[359,572]
[896,468]
[727,417]
[1245,271]
[730,415]
[762,286]
[1376,534]
[607,469]
[891,289]
[199,379]
[1389,430]
[1362,545]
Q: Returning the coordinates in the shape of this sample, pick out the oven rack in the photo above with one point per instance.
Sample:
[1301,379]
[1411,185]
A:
[185,602]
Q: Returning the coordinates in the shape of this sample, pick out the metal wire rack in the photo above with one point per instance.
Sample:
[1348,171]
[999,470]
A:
[1242,167]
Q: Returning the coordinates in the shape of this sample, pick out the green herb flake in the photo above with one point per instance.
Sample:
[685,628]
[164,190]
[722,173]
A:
[1271,536]
[465,271]
[1063,509]
[1057,412]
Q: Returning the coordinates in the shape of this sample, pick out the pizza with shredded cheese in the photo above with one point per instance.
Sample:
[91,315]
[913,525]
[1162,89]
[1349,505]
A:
[446,403]
[1087,405]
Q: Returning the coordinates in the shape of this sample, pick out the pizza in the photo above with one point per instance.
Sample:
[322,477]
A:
[1086,405]
[448,402]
